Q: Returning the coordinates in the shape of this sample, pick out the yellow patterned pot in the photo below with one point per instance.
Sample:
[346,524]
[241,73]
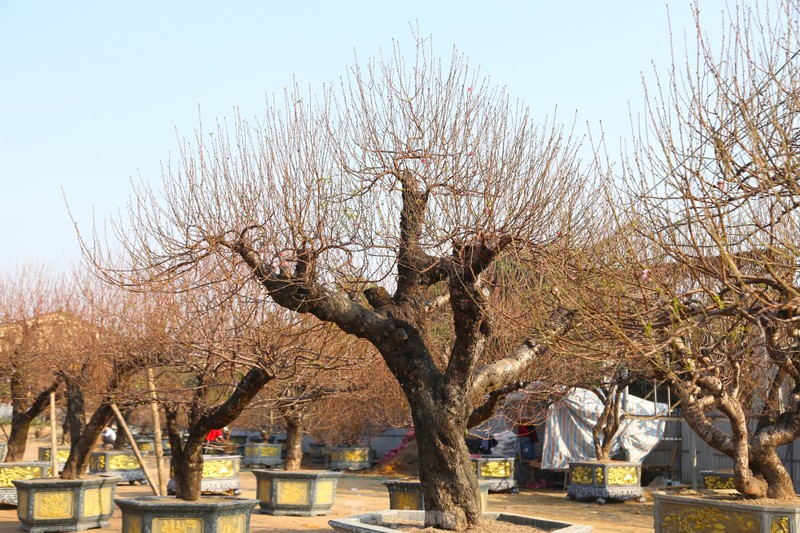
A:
[717,479]
[498,471]
[406,494]
[316,452]
[53,504]
[220,475]
[263,454]
[162,514]
[145,444]
[604,480]
[62,454]
[10,472]
[122,463]
[350,457]
[296,492]
[676,513]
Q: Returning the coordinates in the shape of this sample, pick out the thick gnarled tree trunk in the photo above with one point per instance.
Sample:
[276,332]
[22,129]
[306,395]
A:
[294,441]
[24,412]
[448,478]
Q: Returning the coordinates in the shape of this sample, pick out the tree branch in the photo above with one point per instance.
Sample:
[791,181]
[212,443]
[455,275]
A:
[503,372]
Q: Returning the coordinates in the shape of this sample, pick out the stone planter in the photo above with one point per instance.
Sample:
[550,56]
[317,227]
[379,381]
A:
[122,463]
[498,471]
[220,475]
[10,472]
[349,458]
[674,513]
[162,514]
[406,494]
[145,444]
[296,492]
[604,480]
[381,522]
[2,450]
[316,453]
[53,504]
[62,454]
[717,480]
[268,455]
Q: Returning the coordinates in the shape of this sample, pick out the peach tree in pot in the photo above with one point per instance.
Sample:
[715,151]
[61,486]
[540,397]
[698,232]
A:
[75,502]
[600,478]
[716,257]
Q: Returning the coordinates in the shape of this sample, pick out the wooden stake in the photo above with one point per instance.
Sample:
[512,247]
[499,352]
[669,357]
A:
[124,427]
[53,440]
[162,472]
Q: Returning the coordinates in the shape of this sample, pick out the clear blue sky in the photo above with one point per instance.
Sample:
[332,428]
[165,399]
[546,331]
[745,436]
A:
[92,93]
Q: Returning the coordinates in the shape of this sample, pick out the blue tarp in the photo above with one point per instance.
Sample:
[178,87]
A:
[568,431]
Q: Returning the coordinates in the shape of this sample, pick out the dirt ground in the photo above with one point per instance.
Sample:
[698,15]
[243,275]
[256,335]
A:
[359,493]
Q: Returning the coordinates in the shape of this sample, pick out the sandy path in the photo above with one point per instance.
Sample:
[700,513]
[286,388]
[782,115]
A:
[360,493]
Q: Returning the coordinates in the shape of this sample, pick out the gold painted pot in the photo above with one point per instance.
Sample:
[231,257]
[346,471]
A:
[10,472]
[296,492]
[675,513]
[498,471]
[406,494]
[163,514]
[605,480]
[350,457]
[220,475]
[53,504]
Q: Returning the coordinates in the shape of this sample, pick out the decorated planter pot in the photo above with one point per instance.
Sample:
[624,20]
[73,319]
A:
[316,453]
[406,494]
[717,479]
[162,514]
[296,492]
[498,471]
[382,522]
[53,504]
[349,458]
[145,444]
[220,475]
[604,480]
[122,463]
[265,454]
[10,472]
[62,454]
[676,513]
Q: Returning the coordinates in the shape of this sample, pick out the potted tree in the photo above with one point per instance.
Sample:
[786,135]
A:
[220,355]
[301,403]
[400,199]
[718,272]
[600,477]
[30,332]
[94,364]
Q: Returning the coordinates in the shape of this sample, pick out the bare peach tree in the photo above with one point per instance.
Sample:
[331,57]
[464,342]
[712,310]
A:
[31,333]
[375,207]
[334,375]
[111,344]
[715,197]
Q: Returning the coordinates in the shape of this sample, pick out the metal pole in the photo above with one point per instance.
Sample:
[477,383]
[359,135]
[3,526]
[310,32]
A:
[162,472]
[53,440]
[124,427]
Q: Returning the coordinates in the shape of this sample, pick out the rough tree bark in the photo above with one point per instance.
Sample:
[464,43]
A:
[22,416]
[294,441]
[187,458]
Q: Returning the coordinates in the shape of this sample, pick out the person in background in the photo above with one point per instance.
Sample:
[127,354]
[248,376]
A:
[108,435]
[215,435]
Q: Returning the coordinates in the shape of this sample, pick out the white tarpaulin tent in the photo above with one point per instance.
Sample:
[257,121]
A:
[568,430]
